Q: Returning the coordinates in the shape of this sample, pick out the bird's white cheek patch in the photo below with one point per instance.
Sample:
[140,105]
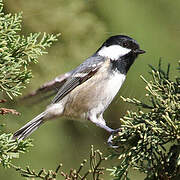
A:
[114,52]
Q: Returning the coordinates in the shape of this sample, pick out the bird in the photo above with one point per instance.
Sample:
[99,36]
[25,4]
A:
[87,91]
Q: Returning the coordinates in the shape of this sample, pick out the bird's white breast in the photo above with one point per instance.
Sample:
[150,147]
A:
[114,83]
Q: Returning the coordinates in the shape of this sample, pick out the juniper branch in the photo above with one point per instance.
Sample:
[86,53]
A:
[17,52]
[144,136]
[95,171]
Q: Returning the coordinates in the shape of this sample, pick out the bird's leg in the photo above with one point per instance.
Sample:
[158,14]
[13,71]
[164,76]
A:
[101,123]
[113,132]
[111,137]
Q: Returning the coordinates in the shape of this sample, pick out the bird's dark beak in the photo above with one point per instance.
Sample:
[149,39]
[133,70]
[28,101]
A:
[139,51]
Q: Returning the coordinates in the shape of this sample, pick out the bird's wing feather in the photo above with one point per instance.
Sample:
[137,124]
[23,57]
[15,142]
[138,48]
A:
[46,90]
[82,73]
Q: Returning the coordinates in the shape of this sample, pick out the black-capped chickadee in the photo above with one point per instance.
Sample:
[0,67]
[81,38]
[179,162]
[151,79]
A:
[89,89]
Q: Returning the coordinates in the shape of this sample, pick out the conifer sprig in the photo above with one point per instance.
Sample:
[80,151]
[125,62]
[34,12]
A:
[17,52]
[146,135]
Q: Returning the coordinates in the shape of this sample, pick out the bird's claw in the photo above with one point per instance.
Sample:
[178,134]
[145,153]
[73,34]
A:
[111,137]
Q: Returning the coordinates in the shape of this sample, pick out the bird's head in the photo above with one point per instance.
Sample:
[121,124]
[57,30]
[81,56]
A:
[118,46]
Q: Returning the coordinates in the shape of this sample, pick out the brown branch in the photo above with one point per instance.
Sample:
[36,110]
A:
[4,111]
[3,100]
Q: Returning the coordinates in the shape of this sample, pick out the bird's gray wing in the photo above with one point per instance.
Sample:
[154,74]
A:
[82,73]
[50,88]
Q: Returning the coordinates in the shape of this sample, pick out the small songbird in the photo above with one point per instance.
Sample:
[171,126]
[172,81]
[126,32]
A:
[87,91]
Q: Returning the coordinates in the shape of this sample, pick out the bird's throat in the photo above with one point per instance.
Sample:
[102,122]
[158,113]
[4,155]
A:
[124,63]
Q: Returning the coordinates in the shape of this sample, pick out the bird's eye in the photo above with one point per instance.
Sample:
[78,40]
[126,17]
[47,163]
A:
[125,44]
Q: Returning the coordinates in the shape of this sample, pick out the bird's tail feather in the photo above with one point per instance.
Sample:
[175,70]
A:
[30,127]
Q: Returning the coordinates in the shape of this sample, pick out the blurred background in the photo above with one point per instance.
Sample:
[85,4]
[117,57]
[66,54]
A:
[84,25]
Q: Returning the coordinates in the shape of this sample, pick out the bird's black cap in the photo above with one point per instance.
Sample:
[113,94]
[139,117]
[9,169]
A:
[124,41]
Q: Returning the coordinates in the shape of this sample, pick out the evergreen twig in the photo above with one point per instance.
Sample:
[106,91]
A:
[17,52]
[146,135]
[93,173]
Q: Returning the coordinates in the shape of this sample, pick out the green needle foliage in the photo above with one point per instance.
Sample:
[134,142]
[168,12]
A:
[95,171]
[149,140]
[10,149]
[17,52]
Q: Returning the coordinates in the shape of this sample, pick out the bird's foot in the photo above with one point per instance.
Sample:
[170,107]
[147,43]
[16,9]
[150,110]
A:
[111,137]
